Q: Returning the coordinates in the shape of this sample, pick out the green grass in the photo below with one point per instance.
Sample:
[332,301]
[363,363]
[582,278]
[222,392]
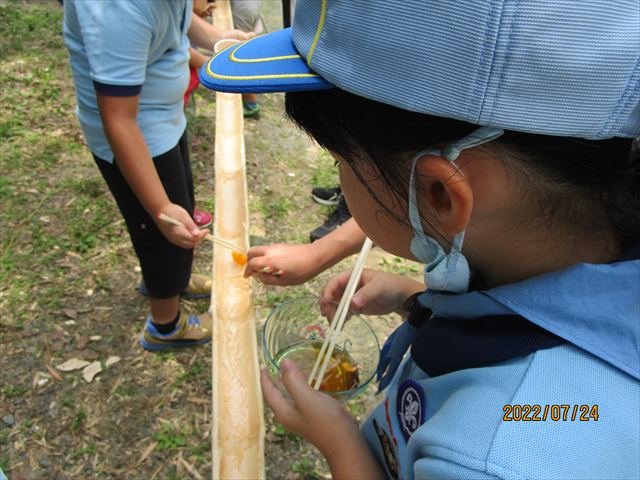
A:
[12,391]
[89,450]
[191,374]
[169,439]
[47,211]
[26,26]
[399,265]
[78,420]
[126,390]
[304,468]
[4,461]
[326,174]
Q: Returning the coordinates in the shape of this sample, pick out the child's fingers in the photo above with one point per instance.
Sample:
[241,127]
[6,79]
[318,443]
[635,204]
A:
[281,406]
[201,236]
[269,279]
[335,286]
[256,252]
[256,264]
[257,269]
[182,237]
[295,381]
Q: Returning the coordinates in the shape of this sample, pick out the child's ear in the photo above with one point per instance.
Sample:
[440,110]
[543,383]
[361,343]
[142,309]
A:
[444,192]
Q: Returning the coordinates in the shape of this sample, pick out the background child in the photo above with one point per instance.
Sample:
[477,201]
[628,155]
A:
[130,68]
[493,145]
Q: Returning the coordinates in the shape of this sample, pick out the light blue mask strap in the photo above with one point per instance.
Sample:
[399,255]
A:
[414,214]
[482,135]
[451,153]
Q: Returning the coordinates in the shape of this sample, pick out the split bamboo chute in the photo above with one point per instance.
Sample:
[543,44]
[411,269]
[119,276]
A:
[237,417]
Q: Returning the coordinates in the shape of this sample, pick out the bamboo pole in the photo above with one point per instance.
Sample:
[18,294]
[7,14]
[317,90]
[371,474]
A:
[237,418]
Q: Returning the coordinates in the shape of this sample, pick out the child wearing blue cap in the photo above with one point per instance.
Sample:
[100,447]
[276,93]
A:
[491,141]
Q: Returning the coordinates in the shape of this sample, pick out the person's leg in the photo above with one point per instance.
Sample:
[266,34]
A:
[165,267]
[246,15]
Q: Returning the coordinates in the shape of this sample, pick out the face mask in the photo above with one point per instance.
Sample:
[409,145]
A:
[443,272]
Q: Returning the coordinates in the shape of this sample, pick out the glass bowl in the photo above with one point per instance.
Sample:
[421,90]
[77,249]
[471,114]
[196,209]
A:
[296,329]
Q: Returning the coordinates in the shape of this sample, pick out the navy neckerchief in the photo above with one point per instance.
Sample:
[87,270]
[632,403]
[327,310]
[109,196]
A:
[444,345]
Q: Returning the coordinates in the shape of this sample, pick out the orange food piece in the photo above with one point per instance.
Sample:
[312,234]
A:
[344,376]
[239,258]
[348,367]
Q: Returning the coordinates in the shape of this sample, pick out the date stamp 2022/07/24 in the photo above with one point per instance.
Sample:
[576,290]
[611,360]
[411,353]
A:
[553,413]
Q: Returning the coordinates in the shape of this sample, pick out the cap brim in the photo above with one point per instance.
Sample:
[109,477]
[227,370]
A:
[269,63]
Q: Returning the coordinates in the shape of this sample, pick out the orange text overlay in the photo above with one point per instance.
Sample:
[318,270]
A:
[550,413]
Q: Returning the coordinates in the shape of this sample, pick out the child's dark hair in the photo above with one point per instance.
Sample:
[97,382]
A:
[582,183]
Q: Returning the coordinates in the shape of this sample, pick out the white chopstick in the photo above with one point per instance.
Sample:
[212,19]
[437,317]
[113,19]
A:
[209,237]
[339,317]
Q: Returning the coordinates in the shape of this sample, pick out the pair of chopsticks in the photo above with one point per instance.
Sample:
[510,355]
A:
[219,241]
[339,318]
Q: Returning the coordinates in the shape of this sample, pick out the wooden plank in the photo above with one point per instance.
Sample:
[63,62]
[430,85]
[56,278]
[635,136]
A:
[237,419]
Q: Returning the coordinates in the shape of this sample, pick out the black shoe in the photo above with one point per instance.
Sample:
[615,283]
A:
[340,215]
[326,196]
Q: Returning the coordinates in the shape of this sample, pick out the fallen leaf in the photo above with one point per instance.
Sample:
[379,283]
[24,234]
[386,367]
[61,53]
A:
[273,438]
[90,371]
[112,360]
[53,373]
[40,379]
[87,354]
[190,469]
[70,312]
[81,342]
[72,364]
[57,345]
[90,355]
[156,472]
[147,451]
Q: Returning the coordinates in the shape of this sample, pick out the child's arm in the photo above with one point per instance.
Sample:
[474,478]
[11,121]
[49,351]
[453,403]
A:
[324,422]
[135,163]
[196,59]
[297,263]
[203,34]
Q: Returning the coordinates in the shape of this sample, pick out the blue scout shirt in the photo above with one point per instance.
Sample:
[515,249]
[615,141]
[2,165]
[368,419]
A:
[562,350]
[122,48]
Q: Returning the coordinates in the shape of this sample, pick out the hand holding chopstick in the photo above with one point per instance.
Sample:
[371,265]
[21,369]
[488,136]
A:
[219,241]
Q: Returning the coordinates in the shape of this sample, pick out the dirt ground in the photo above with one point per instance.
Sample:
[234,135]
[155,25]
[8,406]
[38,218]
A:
[69,281]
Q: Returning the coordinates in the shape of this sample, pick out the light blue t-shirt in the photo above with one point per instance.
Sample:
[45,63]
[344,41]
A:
[571,411]
[124,43]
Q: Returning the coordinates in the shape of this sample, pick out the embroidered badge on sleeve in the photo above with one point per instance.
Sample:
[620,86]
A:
[410,404]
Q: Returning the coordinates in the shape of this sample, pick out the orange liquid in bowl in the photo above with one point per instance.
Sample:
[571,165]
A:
[342,373]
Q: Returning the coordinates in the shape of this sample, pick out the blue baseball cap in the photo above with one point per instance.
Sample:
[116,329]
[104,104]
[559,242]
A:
[565,68]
